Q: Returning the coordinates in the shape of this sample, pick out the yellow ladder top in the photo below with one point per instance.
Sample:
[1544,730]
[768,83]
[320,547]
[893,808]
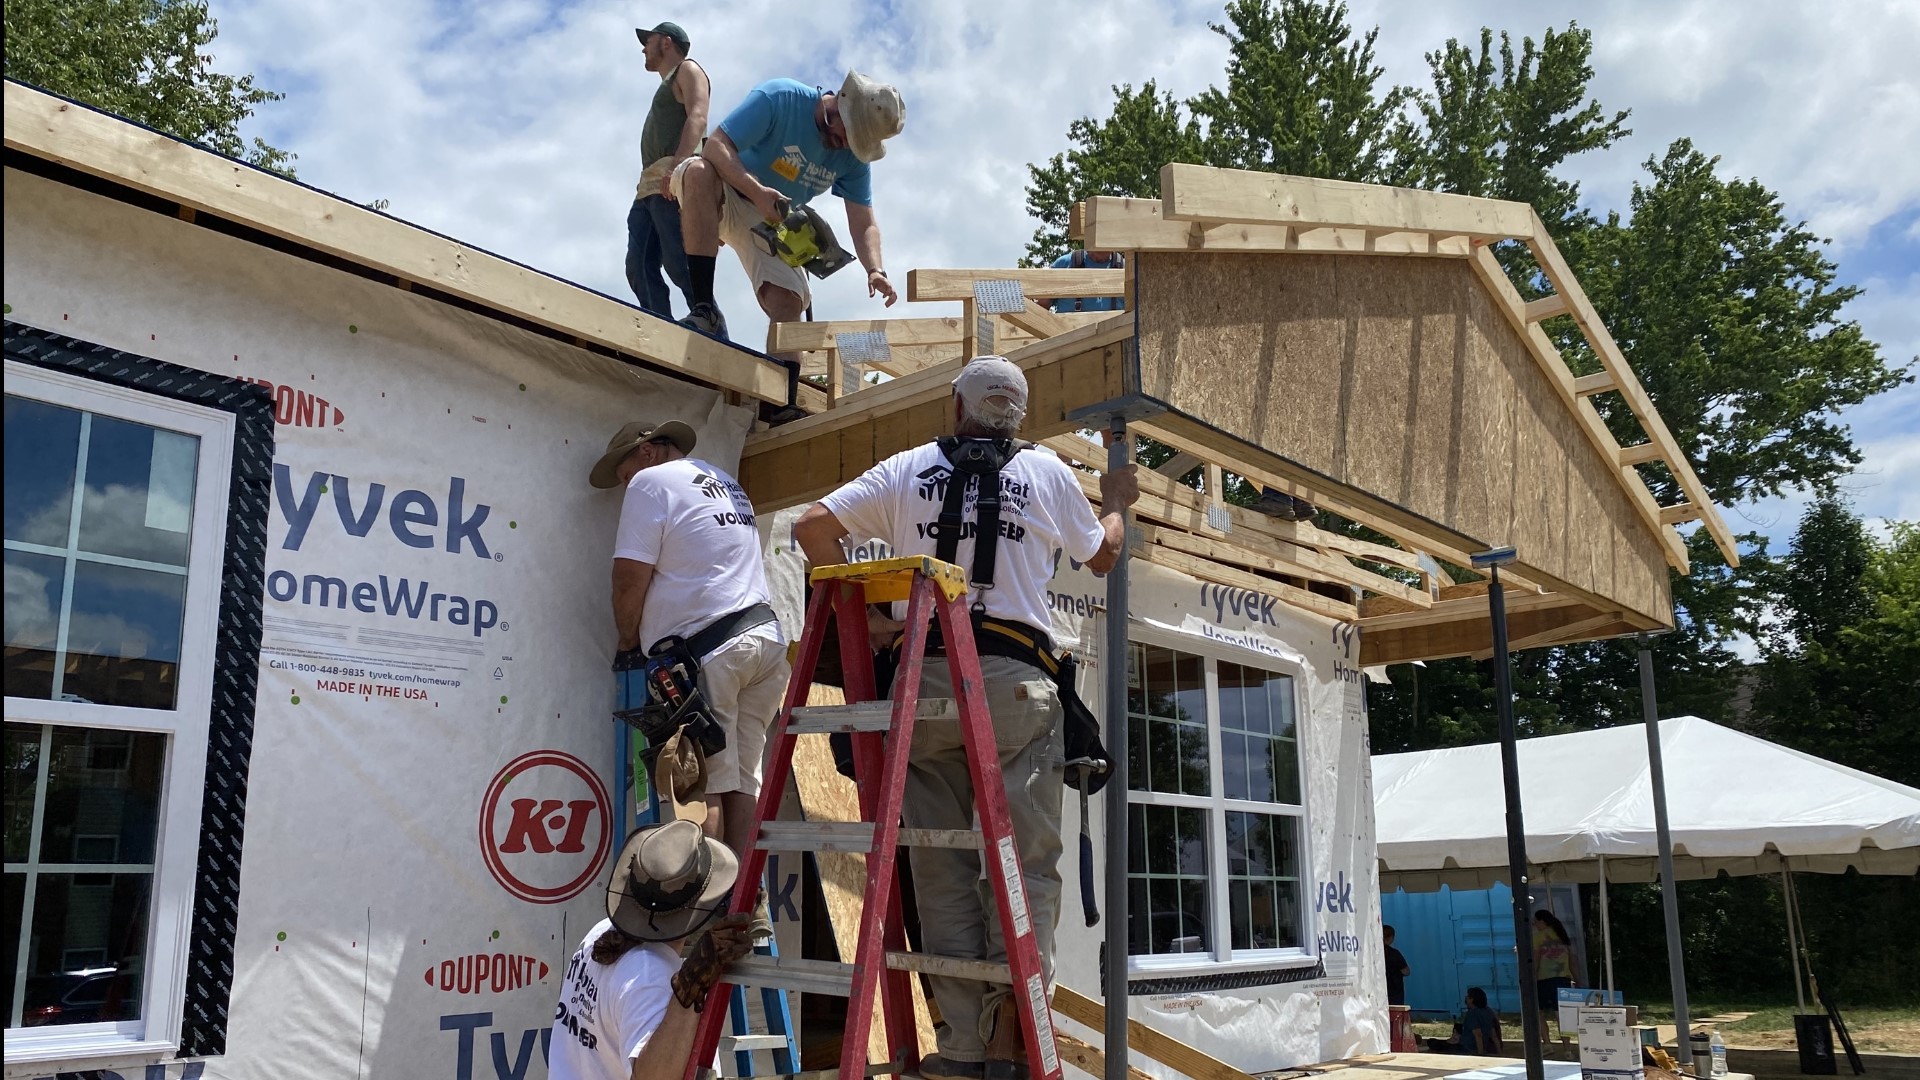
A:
[892,579]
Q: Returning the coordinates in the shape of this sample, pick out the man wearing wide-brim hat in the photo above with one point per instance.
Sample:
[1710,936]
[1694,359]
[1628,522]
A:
[790,142]
[629,1005]
[688,565]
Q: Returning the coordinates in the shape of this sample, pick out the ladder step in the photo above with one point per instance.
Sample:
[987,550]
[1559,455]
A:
[951,966]
[864,716]
[853,836]
[782,973]
[734,1043]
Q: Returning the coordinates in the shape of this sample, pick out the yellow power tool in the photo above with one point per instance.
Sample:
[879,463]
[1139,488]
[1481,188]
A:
[802,239]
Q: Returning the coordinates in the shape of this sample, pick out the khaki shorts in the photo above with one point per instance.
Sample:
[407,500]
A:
[738,216]
[745,680]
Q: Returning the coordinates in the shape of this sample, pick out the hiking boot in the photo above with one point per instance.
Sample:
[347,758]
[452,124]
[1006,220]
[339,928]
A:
[707,319]
[935,1067]
[1007,1049]
[760,930]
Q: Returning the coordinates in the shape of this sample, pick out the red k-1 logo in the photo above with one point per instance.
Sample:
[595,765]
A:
[544,827]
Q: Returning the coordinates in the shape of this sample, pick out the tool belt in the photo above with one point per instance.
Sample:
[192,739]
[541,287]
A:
[676,692]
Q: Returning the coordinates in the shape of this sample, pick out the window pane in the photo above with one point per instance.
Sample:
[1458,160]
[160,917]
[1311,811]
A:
[1238,898]
[89,938]
[1196,918]
[1136,839]
[123,638]
[103,796]
[1192,825]
[14,896]
[1139,918]
[1136,678]
[1280,703]
[1190,695]
[1163,755]
[1285,771]
[1236,842]
[23,769]
[1259,768]
[1163,842]
[1139,757]
[43,450]
[34,584]
[1194,779]
[1233,765]
[1232,708]
[139,498]
[1164,910]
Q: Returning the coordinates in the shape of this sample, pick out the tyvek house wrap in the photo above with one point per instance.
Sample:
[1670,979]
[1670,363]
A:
[427,815]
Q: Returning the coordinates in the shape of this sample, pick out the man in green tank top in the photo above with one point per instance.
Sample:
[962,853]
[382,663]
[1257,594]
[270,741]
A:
[676,123]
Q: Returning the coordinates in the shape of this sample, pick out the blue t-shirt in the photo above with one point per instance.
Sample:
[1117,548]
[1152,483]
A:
[781,146]
[1087,303]
[1485,1021]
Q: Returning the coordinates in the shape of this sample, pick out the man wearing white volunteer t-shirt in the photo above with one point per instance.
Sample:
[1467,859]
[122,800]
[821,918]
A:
[687,562]
[1042,514]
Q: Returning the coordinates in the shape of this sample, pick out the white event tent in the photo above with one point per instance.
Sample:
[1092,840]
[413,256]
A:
[1737,804]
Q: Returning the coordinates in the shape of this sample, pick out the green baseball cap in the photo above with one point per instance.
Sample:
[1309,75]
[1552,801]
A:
[670,29]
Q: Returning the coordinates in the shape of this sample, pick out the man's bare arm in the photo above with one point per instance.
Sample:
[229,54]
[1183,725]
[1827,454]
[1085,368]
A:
[864,228]
[692,88]
[819,534]
[631,579]
[725,159]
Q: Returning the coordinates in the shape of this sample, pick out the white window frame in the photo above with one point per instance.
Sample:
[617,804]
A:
[1220,956]
[177,843]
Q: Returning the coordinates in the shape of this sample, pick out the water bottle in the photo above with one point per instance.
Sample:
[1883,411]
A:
[1718,1047]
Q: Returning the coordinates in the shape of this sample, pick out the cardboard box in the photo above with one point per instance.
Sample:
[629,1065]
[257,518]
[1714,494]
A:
[1609,1044]
[1572,998]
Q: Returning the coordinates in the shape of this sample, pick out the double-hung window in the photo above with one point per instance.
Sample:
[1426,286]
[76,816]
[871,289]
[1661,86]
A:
[1217,855]
[116,510]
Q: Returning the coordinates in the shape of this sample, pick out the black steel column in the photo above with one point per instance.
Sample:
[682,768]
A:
[1516,825]
[1669,897]
[1119,456]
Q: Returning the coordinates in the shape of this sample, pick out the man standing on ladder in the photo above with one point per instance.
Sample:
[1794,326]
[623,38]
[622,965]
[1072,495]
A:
[927,501]
[689,579]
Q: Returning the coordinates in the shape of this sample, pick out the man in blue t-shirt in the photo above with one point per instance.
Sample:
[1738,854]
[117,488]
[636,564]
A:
[788,141]
[1078,259]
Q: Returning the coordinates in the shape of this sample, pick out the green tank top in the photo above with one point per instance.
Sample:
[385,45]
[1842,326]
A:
[665,120]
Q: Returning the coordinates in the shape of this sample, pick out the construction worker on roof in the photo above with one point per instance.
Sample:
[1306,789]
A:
[785,144]
[916,501]
[676,122]
[690,596]
[1081,259]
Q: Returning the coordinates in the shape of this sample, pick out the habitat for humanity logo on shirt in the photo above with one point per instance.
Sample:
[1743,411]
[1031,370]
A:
[1015,495]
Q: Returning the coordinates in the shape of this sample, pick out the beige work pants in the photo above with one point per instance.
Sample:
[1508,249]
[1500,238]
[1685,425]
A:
[958,915]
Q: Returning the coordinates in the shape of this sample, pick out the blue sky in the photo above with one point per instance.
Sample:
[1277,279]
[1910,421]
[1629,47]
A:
[515,125]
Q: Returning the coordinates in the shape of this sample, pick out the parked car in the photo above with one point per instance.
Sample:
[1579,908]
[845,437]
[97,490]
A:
[85,996]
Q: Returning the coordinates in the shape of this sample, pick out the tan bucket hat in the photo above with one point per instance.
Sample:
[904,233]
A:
[668,881]
[873,113]
[680,771]
[606,471]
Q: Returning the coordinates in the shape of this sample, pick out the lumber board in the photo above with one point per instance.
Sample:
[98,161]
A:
[1047,284]
[1597,383]
[1679,512]
[1116,223]
[813,336]
[1554,265]
[1453,607]
[1284,559]
[1642,454]
[1038,321]
[825,795]
[1161,1047]
[1573,631]
[1179,465]
[92,142]
[1082,1055]
[1546,307]
[1464,636]
[1201,193]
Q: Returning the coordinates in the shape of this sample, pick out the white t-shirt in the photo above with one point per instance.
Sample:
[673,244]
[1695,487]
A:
[607,1012]
[1042,513]
[695,525]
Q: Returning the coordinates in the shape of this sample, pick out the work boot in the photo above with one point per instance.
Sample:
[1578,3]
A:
[935,1067]
[707,319]
[1007,1049]
[760,930]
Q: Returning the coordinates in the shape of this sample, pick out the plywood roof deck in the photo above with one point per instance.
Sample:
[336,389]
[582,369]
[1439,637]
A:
[1403,385]
[201,185]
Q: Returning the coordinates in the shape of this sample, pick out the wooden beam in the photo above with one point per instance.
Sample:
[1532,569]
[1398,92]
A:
[1123,224]
[49,128]
[1470,607]
[1038,321]
[1178,465]
[1165,1049]
[1559,635]
[1679,512]
[1082,1055]
[1281,558]
[1466,634]
[1037,284]
[814,336]
[1199,193]
[1547,254]
[1546,307]
[1597,383]
[1641,454]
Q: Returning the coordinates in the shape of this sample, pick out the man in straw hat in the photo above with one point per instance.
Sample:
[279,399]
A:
[787,141]
[1042,513]
[629,1005]
[688,574]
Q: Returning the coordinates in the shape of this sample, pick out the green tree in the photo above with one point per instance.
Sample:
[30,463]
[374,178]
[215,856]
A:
[1121,155]
[144,60]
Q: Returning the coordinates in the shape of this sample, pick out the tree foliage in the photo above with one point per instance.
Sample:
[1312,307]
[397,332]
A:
[144,60]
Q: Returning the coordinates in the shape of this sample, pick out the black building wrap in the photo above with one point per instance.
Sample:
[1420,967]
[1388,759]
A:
[236,660]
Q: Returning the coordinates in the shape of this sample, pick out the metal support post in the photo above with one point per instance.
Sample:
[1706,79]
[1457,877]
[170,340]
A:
[1119,456]
[1606,929]
[1669,896]
[1491,561]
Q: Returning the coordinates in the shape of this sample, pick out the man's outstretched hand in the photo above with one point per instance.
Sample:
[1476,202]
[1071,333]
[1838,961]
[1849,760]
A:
[877,283]
[722,943]
[1119,489]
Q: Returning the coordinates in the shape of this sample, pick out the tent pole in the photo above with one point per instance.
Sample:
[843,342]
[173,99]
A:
[1606,928]
[1793,944]
[1669,894]
[1119,456]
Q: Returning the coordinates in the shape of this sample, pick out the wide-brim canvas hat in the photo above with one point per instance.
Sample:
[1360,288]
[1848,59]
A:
[668,881]
[680,772]
[873,112]
[606,471]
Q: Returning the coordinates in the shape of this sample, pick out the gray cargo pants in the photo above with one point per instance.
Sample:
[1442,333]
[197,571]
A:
[958,916]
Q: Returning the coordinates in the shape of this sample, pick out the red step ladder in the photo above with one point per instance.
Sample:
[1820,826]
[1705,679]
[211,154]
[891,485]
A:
[882,732]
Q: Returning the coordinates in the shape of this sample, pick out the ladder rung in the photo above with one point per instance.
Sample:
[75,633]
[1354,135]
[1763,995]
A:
[735,1043]
[864,716]
[806,976]
[883,1068]
[951,966]
[854,836]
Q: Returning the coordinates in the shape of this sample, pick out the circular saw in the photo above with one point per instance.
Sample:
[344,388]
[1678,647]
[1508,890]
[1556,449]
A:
[802,239]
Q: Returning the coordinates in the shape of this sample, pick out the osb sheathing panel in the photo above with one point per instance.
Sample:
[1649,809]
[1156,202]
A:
[1398,380]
